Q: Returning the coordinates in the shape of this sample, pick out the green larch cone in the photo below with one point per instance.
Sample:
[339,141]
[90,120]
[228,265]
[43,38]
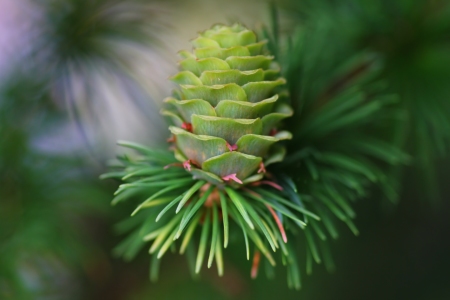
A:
[226,128]
[228,108]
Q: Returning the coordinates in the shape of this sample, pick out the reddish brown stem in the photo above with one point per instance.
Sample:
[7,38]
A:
[278,221]
[255,265]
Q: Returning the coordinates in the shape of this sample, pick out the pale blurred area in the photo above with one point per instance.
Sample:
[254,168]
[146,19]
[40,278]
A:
[104,106]
[14,25]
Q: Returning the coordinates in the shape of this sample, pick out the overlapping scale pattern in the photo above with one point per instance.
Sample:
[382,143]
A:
[227,111]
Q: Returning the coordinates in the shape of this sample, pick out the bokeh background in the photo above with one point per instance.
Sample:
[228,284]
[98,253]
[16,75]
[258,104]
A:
[77,75]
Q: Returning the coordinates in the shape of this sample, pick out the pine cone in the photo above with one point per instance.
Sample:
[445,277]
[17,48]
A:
[227,110]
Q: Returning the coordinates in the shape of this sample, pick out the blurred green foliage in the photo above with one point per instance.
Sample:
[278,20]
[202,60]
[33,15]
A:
[410,42]
[45,199]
